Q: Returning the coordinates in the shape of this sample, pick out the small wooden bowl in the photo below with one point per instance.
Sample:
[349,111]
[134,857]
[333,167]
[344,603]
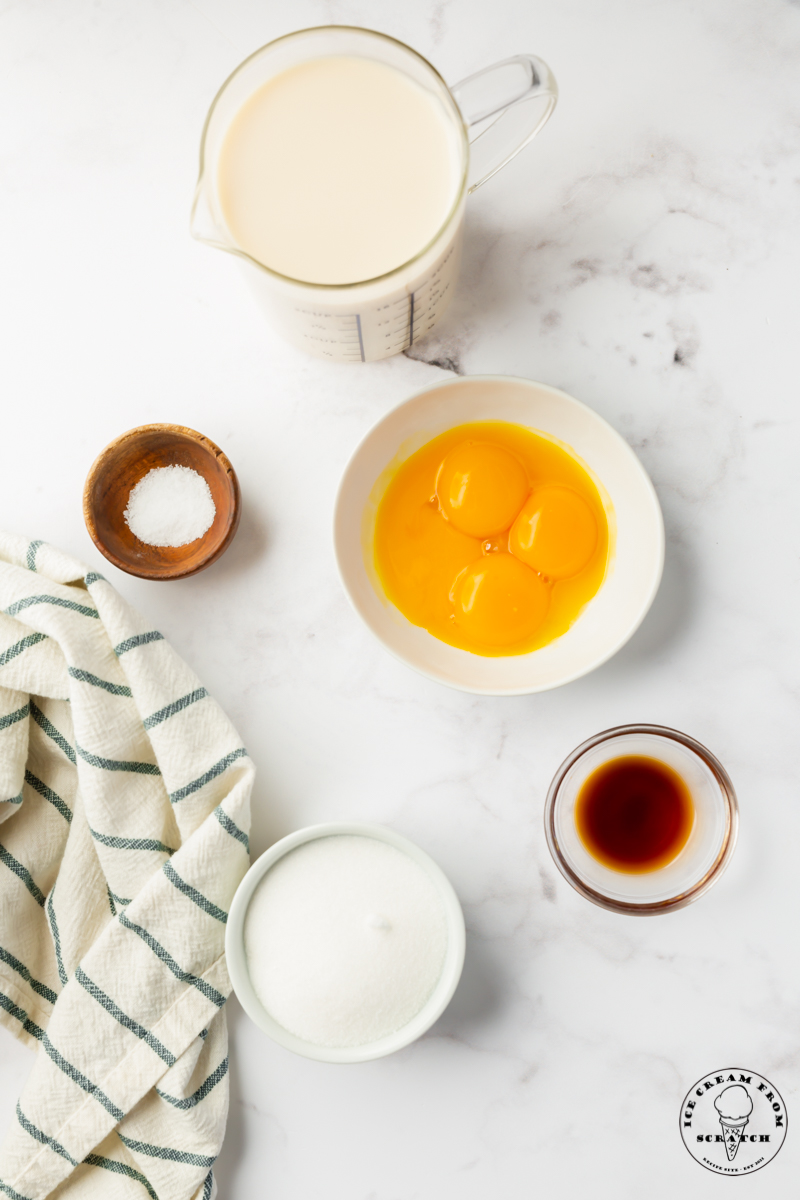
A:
[117,470]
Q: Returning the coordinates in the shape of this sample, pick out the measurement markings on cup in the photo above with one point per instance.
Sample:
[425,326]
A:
[334,334]
[387,328]
[399,321]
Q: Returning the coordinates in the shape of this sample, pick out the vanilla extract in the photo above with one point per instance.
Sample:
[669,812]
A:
[634,814]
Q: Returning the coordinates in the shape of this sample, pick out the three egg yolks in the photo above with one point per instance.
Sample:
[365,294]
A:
[492,537]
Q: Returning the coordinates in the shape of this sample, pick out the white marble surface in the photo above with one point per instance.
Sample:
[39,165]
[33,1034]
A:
[643,254]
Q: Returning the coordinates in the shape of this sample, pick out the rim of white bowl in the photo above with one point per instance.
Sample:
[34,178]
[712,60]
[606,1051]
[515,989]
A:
[437,1002]
[524,690]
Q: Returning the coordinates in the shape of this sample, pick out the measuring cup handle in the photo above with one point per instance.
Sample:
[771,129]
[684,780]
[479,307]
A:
[498,96]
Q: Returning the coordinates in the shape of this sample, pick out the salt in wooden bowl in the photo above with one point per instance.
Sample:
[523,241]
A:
[119,468]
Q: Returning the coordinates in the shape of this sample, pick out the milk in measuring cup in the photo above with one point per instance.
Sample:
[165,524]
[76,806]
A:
[337,171]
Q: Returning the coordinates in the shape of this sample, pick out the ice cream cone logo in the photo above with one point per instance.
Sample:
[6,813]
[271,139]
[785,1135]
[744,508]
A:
[733,1121]
[734,1105]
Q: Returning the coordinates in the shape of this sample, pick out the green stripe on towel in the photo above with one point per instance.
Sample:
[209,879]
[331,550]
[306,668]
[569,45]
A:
[49,728]
[115,764]
[205,1087]
[119,1168]
[210,774]
[49,795]
[80,1079]
[176,707]
[12,1195]
[199,899]
[169,962]
[115,901]
[105,1001]
[29,601]
[232,828]
[20,1015]
[127,843]
[58,1059]
[39,1136]
[12,718]
[40,988]
[51,917]
[141,639]
[7,858]
[115,689]
[167,1152]
[32,639]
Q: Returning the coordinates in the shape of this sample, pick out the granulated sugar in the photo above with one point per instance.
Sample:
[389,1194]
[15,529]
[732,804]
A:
[345,940]
[170,506]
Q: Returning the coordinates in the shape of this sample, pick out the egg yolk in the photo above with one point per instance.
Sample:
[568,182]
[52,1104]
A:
[480,488]
[499,601]
[555,532]
[465,546]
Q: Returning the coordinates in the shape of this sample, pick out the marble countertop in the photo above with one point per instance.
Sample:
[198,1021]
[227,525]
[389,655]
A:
[642,254]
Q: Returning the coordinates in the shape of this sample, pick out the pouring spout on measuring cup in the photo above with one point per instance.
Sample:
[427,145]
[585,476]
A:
[500,98]
[202,224]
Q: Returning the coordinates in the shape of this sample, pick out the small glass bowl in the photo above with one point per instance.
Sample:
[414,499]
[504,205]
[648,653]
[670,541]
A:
[701,861]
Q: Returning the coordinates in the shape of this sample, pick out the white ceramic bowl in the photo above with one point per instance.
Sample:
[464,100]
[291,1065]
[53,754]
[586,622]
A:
[635,524]
[440,997]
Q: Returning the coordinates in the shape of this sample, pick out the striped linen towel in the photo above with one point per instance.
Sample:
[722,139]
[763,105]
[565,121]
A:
[124,819]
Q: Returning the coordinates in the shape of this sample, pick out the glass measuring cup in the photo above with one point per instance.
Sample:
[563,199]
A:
[373,319]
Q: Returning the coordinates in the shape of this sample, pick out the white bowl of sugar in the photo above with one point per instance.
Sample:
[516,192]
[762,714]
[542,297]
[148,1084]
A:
[345,942]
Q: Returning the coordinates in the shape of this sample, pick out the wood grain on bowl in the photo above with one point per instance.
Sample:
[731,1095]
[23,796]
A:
[118,469]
